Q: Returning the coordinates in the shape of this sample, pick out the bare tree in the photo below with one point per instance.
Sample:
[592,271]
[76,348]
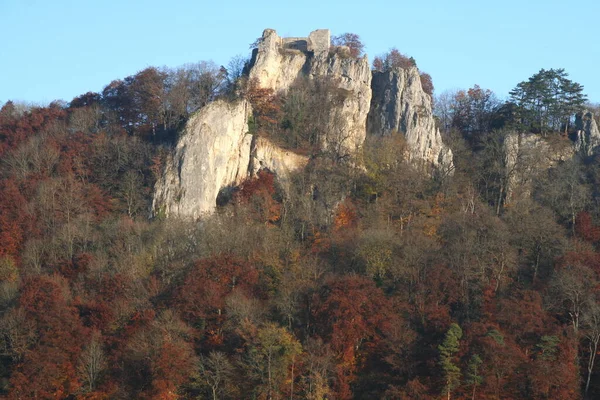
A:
[215,373]
[92,362]
[571,291]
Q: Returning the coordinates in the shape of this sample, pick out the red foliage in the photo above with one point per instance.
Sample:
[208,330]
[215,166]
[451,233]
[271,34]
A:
[502,359]
[201,298]
[85,100]
[345,216]
[350,40]
[13,218]
[49,369]
[15,129]
[586,229]
[260,193]
[523,315]
[433,299]
[350,313]
[393,60]
[583,257]
[426,83]
[265,104]
[172,367]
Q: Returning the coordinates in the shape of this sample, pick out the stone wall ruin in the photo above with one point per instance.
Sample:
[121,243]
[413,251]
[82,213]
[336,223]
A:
[317,42]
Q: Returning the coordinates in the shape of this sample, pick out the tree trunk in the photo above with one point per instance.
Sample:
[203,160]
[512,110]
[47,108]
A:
[593,346]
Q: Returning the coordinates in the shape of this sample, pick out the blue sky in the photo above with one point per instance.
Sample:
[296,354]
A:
[62,48]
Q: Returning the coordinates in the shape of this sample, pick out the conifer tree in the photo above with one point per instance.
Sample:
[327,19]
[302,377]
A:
[448,349]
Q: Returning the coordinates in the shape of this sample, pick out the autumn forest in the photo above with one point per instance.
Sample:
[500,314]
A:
[384,280]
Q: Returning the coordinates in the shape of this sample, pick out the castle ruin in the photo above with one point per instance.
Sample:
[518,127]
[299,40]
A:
[318,41]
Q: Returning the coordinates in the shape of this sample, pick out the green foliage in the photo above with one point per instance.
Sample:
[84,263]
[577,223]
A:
[269,357]
[473,375]
[548,347]
[448,350]
[547,101]
[497,336]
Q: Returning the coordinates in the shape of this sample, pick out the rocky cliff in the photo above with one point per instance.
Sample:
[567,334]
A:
[588,135]
[212,152]
[400,105]
[278,62]
[527,156]
[216,151]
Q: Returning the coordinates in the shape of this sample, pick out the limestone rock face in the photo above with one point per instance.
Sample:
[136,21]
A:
[528,155]
[267,155]
[348,120]
[282,162]
[212,152]
[278,62]
[400,105]
[275,66]
[216,151]
[588,135]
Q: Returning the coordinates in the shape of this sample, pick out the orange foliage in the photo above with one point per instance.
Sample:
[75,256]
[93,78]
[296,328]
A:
[345,216]
[265,104]
[260,193]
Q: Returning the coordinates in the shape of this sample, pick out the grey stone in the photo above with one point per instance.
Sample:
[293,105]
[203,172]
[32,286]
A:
[319,41]
[216,151]
[276,67]
[400,105]
[588,135]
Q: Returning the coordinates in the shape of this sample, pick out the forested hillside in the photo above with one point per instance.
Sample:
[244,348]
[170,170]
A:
[376,278]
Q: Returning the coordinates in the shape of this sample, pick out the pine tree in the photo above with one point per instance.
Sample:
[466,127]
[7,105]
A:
[447,350]
[547,101]
[472,377]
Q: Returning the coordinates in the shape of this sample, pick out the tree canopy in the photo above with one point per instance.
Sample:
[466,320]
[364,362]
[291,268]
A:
[547,101]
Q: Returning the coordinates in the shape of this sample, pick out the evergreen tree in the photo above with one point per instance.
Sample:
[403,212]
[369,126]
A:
[448,349]
[472,376]
[547,101]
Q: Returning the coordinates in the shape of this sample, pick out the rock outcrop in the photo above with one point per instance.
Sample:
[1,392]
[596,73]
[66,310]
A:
[282,162]
[588,135]
[400,105]
[278,62]
[216,151]
[527,156]
[212,152]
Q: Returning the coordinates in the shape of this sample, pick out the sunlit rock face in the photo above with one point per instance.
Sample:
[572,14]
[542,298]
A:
[216,151]
[212,152]
[278,62]
[527,155]
[400,105]
[588,135]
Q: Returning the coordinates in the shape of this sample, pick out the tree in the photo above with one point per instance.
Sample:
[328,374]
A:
[537,237]
[570,291]
[472,375]
[565,190]
[591,332]
[393,59]
[352,41]
[270,356]
[472,112]
[216,372]
[547,101]
[92,362]
[448,350]
[426,83]
[351,314]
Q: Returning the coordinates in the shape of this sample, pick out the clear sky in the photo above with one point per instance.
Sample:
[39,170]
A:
[58,49]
